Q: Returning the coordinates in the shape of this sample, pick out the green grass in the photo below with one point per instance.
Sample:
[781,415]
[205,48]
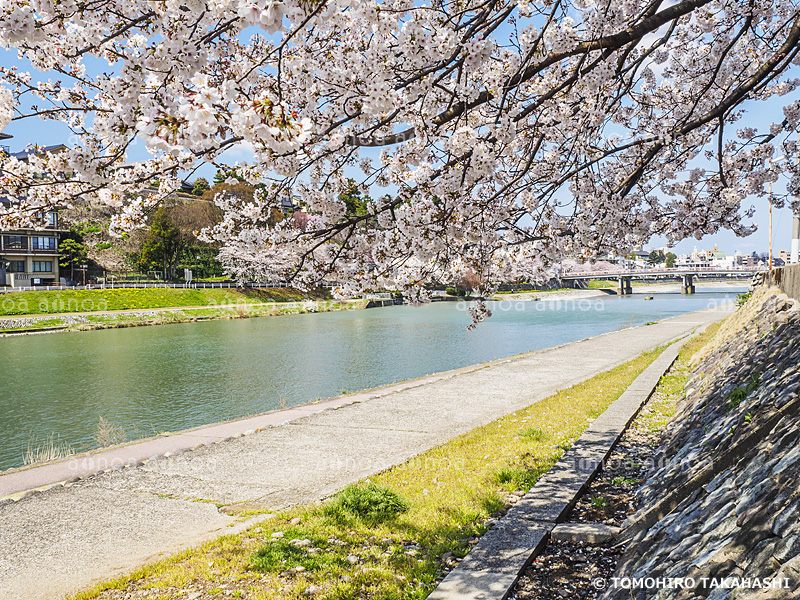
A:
[188,315]
[370,504]
[741,299]
[598,284]
[626,481]
[69,301]
[44,323]
[533,434]
[671,387]
[737,396]
[598,501]
[384,538]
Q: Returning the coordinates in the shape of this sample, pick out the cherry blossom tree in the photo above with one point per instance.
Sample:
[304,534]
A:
[504,134]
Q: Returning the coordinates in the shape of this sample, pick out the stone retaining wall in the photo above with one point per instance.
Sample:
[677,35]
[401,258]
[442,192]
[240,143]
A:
[786,278]
[723,497]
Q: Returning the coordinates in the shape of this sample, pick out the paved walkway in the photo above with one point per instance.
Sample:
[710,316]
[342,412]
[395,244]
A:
[68,537]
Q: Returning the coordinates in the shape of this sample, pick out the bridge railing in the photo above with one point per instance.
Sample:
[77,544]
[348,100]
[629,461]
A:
[671,271]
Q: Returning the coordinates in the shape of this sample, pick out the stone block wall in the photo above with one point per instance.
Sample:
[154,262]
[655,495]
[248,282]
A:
[723,498]
[787,279]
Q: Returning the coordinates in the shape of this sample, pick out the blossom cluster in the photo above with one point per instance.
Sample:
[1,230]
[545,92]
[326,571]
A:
[511,132]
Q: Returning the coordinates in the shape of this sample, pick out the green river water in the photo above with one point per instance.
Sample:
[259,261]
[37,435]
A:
[149,380]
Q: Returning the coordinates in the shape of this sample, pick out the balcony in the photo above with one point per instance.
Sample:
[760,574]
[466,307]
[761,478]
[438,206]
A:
[52,251]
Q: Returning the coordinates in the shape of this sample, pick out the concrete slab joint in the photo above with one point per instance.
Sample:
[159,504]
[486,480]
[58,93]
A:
[589,533]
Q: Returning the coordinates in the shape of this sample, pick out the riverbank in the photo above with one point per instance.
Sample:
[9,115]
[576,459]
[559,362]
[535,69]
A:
[436,519]
[49,311]
[25,313]
[72,535]
[582,553]
[716,514]
[89,321]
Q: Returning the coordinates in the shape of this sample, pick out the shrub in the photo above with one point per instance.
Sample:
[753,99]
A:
[370,503]
[741,299]
[451,291]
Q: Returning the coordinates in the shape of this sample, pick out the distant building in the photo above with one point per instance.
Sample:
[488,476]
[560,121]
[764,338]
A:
[30,256]
[696,260]
[24,155]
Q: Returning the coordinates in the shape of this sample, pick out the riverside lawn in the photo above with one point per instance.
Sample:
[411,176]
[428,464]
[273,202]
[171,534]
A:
[72,301]
[83,310]
[396,535]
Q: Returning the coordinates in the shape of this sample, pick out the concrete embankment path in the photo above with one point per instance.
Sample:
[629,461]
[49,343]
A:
[103,525]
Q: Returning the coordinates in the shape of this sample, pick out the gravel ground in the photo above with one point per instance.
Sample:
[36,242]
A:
[581,571]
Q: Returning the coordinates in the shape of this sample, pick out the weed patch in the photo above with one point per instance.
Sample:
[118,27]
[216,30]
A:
[737,396]
[52,448]
[532,434]
[370,503]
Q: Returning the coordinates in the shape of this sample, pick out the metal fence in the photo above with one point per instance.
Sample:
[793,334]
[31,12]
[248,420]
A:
[194,285]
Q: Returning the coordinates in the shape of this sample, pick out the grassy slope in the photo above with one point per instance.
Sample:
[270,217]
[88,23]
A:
[61,301]
[450,491]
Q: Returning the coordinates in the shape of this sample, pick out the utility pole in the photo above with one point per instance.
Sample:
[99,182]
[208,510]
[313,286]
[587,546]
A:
[779,159]
[770,215]
[795,256]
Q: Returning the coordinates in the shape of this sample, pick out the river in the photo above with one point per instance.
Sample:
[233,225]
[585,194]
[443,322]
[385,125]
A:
[148,380]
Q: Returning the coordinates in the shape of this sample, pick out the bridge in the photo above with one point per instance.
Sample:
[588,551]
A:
[687,274]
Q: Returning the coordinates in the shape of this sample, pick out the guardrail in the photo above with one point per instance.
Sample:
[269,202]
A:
[158,285]
[671,271]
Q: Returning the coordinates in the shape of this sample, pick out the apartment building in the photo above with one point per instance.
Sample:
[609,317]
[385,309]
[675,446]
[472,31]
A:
[29,257]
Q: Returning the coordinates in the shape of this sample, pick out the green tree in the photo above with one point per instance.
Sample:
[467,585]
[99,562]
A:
[201,258]
[200,186]
[355,203]
[222,176]
[656,257]
[72,252]
[162,246]
[670,260]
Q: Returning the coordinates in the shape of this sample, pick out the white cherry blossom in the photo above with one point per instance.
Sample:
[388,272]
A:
[509,133]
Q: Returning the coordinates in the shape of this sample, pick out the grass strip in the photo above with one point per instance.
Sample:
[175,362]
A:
[182,315]
[70,301]
[392,536]
[671,388]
